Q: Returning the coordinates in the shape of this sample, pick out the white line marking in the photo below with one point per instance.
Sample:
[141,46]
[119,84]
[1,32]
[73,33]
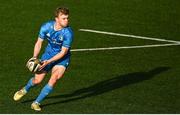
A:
[131,36]
[123,47]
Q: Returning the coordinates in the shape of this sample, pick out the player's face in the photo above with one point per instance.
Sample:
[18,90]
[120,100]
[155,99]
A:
[62,19]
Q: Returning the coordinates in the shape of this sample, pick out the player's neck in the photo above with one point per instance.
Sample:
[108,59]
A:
[57,27]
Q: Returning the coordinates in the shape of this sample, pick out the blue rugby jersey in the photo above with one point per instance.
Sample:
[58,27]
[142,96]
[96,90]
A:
[56,39]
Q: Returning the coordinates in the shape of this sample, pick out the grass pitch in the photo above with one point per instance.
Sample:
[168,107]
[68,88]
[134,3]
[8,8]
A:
[142,80]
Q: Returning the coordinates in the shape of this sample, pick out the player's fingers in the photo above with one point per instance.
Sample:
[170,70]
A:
[44,63]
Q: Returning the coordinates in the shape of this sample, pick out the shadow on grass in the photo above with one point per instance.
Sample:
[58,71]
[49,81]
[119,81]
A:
[106,86]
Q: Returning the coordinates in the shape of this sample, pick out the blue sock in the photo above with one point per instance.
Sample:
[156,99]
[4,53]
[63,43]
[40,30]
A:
[29,84]
[44,92]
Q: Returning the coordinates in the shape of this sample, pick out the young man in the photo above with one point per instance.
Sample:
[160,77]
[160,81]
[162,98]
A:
[55,58]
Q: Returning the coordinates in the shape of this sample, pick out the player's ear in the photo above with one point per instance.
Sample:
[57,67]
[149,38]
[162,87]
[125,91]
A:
[56,18]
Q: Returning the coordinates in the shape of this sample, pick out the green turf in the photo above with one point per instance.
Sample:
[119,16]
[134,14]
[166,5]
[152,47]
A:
[144,80]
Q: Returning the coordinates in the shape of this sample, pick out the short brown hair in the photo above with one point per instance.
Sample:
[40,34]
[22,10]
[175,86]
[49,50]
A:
[62,10]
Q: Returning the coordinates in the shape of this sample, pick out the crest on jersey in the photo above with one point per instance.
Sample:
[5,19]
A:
[61,38]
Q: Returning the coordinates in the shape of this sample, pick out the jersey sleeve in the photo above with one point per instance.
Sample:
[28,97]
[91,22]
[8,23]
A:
[43,31]
[68,38]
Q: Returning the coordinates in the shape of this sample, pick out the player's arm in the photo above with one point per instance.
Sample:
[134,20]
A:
[37,47]
[38,44]
[58,56]
[41,37]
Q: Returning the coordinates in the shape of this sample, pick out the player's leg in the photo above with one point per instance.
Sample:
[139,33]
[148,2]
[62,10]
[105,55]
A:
[33,81]
[57,73]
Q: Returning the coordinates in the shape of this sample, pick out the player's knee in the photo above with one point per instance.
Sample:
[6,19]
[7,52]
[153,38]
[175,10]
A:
[53,81]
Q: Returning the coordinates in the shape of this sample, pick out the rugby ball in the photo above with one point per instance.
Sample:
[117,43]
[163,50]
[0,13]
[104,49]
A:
[33,65]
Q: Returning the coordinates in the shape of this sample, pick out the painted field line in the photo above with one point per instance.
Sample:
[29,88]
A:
[123,47]
[131,36]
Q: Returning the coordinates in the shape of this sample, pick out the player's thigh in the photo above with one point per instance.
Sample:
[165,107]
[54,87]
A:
[39,77]
[58,71]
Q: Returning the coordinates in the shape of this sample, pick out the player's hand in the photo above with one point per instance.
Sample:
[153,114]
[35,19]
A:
[44,63]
